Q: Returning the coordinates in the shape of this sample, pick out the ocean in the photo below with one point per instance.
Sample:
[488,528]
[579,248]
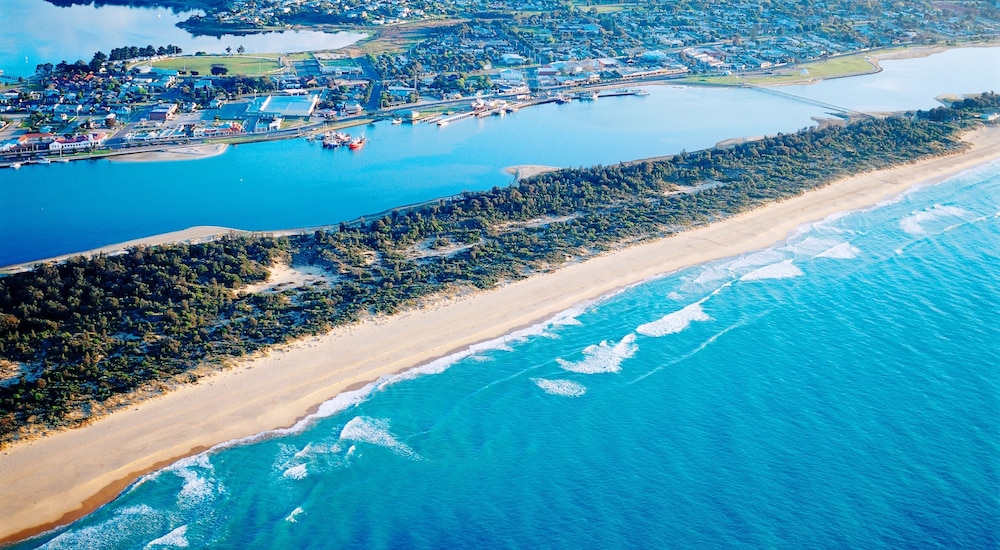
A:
[839,389]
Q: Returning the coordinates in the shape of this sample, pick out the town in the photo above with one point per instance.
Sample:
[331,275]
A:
[427,61]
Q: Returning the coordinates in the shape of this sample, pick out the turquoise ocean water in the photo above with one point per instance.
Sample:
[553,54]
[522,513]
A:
[837,390]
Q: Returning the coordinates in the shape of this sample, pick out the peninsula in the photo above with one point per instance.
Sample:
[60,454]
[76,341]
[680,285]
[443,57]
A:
[192,345]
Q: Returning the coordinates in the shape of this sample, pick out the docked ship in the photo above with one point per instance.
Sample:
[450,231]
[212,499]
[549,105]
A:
[357,143]
[333,140]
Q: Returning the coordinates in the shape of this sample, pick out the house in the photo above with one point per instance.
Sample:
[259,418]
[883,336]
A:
[512,59]
[77,143]
[163,112]
[510,77]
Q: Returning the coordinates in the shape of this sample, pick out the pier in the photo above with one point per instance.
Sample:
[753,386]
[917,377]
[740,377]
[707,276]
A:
[837,110]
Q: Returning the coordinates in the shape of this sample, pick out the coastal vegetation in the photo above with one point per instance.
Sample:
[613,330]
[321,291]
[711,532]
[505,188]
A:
[90,334]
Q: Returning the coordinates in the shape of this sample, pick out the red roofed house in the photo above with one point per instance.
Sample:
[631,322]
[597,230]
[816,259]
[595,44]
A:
[76,143]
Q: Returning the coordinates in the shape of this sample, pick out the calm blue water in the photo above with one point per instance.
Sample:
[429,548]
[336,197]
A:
[35,31]
[837,390]
[64,208]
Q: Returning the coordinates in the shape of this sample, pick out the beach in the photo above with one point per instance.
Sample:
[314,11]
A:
[187,152]
[63,476]
[523,171]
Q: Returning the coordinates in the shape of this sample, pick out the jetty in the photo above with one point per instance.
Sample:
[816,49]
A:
[835,110]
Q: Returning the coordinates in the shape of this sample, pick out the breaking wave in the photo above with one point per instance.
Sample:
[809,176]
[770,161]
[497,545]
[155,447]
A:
[780,270]
[914,223]
[603,357]
[176,538]
[114,532]
[842,251]
[298,471]
[568,388]
[674,322]
[291,518]
[375,431]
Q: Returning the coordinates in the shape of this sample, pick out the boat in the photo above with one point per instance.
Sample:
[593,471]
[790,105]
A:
[357,143]
[15,165]
[60,159]
[397,121]
[42,160]
[333,140]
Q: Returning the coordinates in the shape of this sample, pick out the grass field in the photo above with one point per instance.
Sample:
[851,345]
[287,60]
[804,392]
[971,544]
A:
[828,68]
[237,64]
[399,38]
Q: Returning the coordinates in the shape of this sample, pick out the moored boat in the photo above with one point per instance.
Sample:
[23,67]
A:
[358,143]
[336,139]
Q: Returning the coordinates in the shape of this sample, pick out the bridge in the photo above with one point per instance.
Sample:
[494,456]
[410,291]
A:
[828,106]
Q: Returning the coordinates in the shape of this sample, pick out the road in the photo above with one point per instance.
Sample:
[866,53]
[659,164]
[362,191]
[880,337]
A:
[372,75]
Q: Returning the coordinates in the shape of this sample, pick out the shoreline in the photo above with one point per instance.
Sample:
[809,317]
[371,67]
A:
[524,171]
[63,476]
[182,152]
[191,235]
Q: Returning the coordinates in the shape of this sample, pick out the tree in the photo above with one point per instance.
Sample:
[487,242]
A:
[229,50]
[240,49]
[98,61]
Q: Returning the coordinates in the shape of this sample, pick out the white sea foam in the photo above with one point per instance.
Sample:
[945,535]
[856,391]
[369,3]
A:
[913,224]
[196,488]
[842,251]
[603,357]
[810,246]
[674,322]
[502,343]
[762,257]
[291,518]
[674,295]
[298,471]
[199,484]
[568,388]
[309,450]
[780,270]
[176,538]
[375,431]
[710,274]
[112,532]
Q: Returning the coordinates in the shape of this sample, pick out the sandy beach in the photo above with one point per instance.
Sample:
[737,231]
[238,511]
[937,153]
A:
[189,152]
[523,171]
[63,476]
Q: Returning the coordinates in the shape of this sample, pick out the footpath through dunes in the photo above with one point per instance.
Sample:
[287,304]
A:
[67,474]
